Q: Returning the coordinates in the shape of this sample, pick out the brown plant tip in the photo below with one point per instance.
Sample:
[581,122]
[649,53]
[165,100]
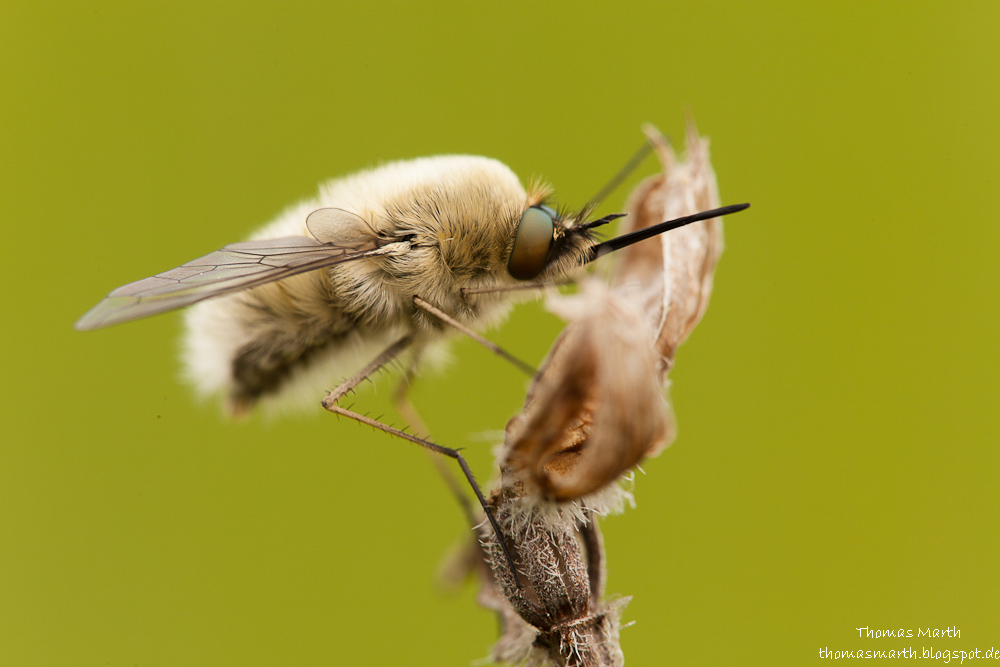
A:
[593,411]
[673,272]
[596,407]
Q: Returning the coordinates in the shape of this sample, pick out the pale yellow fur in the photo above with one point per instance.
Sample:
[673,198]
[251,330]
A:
[461,212]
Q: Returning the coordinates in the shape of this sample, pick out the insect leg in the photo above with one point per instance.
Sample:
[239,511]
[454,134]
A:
[513,288]
[409,413]
[440,449]
[330,403]
[374,365]
[493,347]
[593,542]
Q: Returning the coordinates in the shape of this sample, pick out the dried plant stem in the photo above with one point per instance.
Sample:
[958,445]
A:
[557,616]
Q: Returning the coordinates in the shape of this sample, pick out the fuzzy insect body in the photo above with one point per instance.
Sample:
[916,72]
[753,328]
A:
[384,260]
[429,228]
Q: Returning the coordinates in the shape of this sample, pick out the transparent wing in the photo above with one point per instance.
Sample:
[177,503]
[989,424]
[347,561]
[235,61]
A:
[335,225]
[236,267]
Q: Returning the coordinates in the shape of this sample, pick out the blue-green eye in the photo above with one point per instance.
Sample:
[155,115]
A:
[532,243]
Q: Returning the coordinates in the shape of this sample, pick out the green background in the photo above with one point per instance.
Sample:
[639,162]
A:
[837,464]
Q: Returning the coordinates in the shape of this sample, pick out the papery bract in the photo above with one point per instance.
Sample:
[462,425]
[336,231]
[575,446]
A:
[596,406]
[673,272]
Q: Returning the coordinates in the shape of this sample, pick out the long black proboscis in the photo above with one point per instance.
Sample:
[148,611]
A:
[625,240]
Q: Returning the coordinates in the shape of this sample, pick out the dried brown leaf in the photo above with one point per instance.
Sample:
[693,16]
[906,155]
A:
[673,272]
[596,406]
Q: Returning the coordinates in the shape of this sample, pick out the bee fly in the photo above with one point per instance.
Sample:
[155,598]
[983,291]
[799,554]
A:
[381,262]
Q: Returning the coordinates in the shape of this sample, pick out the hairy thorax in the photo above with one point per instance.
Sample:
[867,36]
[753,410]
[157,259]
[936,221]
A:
[298,336]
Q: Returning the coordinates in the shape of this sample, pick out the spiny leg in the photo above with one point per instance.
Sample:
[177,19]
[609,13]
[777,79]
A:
[401,399]
[390,353]
[372,367]
[447,451]
[493,347]
[409,413]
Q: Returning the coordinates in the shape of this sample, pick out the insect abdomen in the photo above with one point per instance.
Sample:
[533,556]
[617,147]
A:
[254,345]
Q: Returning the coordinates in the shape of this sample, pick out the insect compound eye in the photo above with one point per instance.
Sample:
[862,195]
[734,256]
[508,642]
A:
[532,243]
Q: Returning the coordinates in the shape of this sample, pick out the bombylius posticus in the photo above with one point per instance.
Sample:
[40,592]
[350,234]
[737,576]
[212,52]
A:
[380,262]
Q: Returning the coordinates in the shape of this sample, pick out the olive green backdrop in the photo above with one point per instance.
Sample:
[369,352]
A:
[837,464]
